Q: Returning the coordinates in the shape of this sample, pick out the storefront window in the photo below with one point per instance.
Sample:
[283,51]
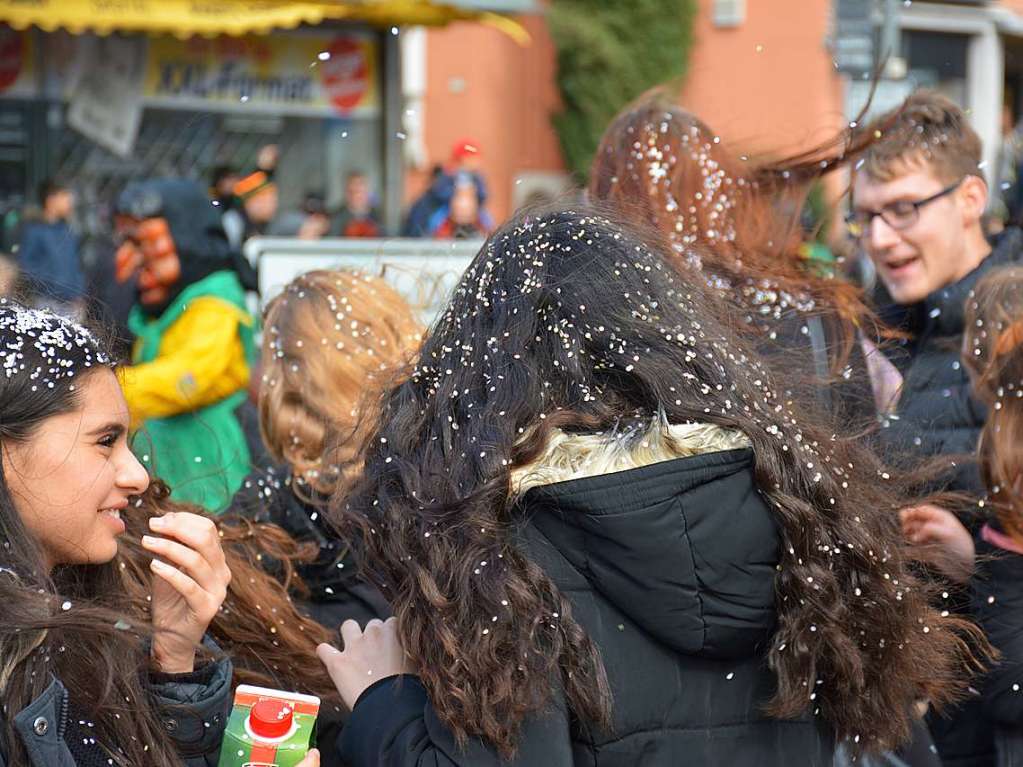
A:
[937,60]
[104,111]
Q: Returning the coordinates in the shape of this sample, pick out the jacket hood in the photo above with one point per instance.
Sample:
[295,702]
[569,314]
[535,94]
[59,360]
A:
[194,225]
[668,526]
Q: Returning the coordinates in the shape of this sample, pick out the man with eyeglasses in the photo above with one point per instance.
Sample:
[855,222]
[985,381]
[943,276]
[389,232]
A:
[917,201]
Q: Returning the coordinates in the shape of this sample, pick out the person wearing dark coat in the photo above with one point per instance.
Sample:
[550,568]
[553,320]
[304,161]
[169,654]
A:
[669,568]
[937,413]
[48,253]
[336,592]
[194,707]
[917,203]
[608,543]
[331,337]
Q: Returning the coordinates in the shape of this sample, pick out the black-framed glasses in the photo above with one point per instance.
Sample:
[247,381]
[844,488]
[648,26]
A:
[898,215]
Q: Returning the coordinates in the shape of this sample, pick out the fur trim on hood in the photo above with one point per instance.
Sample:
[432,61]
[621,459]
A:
[574,456]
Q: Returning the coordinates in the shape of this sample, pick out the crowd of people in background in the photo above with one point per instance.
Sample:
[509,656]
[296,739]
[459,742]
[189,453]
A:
[661,484]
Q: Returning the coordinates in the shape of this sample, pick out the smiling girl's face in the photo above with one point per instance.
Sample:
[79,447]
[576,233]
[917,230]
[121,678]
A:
[73,477]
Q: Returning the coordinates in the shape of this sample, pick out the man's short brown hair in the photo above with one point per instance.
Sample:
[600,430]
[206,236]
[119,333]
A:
[927,130]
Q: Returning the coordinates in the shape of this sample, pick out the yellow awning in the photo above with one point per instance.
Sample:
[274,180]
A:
[208,18]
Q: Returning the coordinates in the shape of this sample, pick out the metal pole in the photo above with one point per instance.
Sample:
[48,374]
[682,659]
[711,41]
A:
[890,49]
[393,138]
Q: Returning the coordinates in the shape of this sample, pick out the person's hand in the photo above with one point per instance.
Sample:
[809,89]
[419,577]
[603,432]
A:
[368,657]
[952,546]
[312,759]
[190,588]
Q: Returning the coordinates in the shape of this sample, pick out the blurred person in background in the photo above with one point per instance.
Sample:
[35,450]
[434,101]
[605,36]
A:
[357,216]
[332,340]
[310,222]
[463,217]
[8,275]
[1004,205]
[223,180]
[256,200]
[194,342]
[917,202]
[465,159]
[48,254]
[257,207]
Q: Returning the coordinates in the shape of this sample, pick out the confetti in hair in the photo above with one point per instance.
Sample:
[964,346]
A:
[36,343]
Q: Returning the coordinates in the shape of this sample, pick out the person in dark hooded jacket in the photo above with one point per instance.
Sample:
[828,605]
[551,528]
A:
[194,341]
[607,541]
[917,202]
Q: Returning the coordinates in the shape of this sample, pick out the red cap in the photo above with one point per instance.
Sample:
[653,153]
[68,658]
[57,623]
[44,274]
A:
[466,147]
[271,718]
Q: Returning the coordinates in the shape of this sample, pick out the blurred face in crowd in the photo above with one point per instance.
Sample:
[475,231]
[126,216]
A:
[470,162]
[930,248]
[261,207]
[357,194]
[60,205]
[74,477]
[465,205]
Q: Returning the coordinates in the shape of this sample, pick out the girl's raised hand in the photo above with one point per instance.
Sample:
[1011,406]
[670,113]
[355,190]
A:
[190,588]
[368,657]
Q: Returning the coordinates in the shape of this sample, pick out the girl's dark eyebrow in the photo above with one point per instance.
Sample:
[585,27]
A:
[113,428]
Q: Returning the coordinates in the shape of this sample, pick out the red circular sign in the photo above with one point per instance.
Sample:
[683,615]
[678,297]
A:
[345,74]
[12,55]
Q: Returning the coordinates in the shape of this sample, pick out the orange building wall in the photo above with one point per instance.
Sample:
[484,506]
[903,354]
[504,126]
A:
[769,84]
[505,105]
[781,97]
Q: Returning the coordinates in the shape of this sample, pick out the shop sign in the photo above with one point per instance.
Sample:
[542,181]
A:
[312,74]
[17,75]
[106,102]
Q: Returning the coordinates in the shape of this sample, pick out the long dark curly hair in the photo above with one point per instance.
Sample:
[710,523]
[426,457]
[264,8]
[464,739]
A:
[88,625]
[568,319]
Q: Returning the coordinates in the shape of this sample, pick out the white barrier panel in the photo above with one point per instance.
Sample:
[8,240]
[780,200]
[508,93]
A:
[423,271]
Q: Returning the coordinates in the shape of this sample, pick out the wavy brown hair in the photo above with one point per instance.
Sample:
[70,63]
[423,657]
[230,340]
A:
[993,355]
[567,319]
[736,219]
[269,641]
[71,623]
[330,337]
[88,625]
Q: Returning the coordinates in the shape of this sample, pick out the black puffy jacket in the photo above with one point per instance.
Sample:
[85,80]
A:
[938,415]
[194,708]
[670,569]
[336,592]
[936,412]
[998,607]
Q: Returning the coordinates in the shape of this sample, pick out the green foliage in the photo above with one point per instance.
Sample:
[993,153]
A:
[817,212]
[608,54]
